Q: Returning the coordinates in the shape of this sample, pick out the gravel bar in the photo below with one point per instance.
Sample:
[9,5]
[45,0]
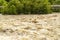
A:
[30,27]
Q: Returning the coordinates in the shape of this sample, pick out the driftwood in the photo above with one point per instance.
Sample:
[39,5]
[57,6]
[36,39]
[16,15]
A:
[55,6]
[1,6]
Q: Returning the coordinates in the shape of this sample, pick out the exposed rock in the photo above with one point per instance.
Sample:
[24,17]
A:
[30,27]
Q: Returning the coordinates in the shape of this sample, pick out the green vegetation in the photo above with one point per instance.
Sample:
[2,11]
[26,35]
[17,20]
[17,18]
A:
[26,6]
[57,2]
[52,1]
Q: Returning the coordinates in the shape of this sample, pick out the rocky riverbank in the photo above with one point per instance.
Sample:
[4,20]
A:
[30,27]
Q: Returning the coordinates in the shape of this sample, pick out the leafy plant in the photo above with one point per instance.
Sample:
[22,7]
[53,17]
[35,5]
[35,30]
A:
[25,6]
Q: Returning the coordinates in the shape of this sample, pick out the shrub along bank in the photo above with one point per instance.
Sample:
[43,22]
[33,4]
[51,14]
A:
[25,7]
